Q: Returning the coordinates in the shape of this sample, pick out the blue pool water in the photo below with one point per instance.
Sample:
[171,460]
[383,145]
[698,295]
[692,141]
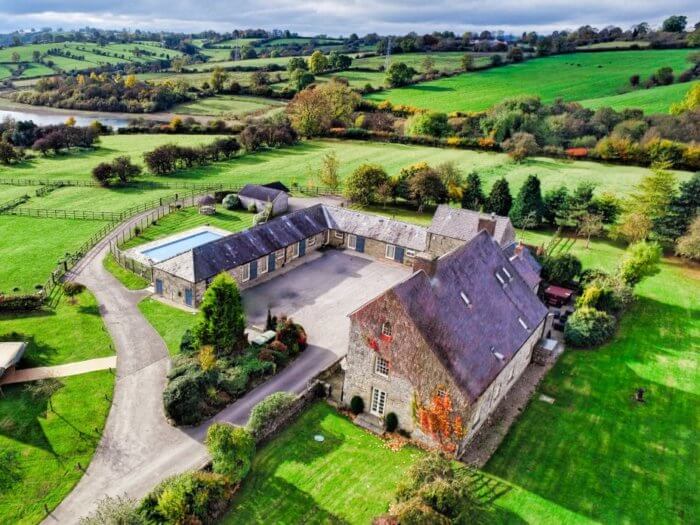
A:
[173,248]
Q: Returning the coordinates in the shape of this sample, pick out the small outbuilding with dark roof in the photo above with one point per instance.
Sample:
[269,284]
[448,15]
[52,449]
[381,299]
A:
[255,195]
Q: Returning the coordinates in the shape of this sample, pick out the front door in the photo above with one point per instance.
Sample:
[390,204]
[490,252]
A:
[159,287]
[188,297]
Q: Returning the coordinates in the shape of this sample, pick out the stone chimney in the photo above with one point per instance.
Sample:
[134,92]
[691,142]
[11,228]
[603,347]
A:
[487,224]
[425,261]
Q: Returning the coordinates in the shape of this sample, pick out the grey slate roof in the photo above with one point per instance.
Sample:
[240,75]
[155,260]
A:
[528,267]
[260,193]
[382,229]
[208,260]
[466,338]
[461,224]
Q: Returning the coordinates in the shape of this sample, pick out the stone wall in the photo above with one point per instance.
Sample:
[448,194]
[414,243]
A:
[173,287]
[494,394]
[440,245]
[415,373]
[373,248]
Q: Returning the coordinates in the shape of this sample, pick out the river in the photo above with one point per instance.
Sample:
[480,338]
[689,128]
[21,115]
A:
[46,118]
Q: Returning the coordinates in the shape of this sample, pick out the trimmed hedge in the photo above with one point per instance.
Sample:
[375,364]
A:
[588,327]
[269,408]
[232,450]
[21,303]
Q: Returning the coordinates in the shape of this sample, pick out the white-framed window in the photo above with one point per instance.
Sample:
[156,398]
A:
[441,392]
[390,252]
[310,241]
[386,328]
[410,253]
[279,254]
[352,242]
[295,250]
[245,272]
[378,402]
[505,271]
[381,366]
[500,278]
[338,235]
[262,265]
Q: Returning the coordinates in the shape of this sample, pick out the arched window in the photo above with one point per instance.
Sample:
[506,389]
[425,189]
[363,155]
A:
[386,329]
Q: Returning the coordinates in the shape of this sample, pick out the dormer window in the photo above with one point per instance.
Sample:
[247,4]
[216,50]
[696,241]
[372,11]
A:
[500,279]
[386,329]
[505,271]
[465,298]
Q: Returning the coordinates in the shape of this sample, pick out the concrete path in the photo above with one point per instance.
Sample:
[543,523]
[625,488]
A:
[70,369]
[139,448]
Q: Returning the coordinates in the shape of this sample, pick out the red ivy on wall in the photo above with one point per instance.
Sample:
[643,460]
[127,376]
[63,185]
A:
[439,421]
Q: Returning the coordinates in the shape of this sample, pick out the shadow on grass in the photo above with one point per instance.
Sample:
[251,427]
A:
[36,353]
[21,415]
[596,451]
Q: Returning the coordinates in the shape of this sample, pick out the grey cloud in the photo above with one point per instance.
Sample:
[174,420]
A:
[339,16]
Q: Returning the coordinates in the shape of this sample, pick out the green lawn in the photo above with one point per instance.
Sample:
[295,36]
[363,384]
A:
[73,331]
[227,106]
[31,248]
[576,76]
[129,279]
[656,100]
[348,478]
[188,218]
[45,447]
[444,61]
[170,322]
[295,164]
[597,453]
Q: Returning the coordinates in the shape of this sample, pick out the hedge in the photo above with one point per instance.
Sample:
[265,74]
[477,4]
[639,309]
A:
[269,408]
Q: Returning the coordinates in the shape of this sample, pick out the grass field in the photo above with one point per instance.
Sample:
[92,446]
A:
[577,76]
[228,106]
[31,248]
[298,480]
[618,44]
[444,61]
[656,100]
[41,448]
[170,322]
[73,331]
[595,451]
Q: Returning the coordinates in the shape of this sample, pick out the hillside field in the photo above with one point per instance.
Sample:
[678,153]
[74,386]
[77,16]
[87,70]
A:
[655,100]
[577,76]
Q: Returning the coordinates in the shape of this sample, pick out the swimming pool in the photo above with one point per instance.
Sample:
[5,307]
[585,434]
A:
[182,245]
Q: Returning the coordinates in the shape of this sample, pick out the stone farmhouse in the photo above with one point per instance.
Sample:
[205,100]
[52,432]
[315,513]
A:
[442,348]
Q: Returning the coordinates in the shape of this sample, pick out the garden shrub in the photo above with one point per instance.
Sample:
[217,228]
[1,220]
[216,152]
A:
[292,335]
[588,327]
[268,409]
[233,381]
[183,397]
[21,303]
[357,405]
[188,344]
[561,269]
[255,367]
[232,450]
[71,289]
[416,512]
[391,422]
[191,497]
[115,511]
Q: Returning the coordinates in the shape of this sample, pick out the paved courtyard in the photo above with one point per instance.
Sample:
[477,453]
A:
[321,293]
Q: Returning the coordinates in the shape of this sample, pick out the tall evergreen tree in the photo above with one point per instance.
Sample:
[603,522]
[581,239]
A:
[528,207]
[222,320]
[473,197]
[500,201]
[682,209]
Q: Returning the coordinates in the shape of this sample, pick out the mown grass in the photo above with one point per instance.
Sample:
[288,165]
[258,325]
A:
[31,248]
[170,322]
[350,477]
[188,218]
[73,331]
[595,451]
[226,106]
[129,279]
[42,448]
[577,76]
[656,100]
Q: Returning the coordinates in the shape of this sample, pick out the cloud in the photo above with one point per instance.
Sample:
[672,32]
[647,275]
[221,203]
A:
[336,17]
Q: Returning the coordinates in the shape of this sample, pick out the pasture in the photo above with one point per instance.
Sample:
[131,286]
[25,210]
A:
[577,76]
[227,106]
[655,100]
[444,61]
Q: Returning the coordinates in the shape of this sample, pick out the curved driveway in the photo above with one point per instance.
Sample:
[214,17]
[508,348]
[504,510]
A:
[138,447]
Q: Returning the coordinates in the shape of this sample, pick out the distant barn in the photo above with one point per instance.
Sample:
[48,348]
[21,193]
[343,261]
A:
[259,196]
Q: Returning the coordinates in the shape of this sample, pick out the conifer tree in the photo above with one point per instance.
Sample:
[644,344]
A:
[473,197]
[528,207]
[499,201]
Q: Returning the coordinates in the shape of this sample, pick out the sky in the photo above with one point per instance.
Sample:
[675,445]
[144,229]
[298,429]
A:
[340,17]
